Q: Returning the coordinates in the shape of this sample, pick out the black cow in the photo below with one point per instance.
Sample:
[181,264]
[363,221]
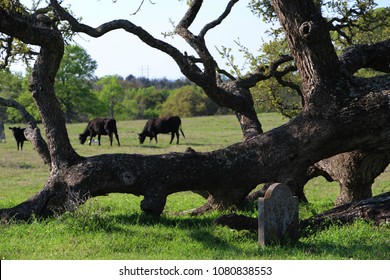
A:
[161,125]
[19,136]
[100,127]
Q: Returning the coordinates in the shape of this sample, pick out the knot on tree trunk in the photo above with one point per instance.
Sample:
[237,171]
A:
[308,30]
[128,178]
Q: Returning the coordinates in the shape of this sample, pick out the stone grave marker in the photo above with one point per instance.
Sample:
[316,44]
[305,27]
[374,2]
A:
[278,216]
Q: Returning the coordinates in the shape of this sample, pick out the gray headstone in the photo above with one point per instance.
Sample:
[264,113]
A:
[278,216]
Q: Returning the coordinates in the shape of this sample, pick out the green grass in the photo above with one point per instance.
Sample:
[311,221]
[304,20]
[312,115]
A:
[113,227]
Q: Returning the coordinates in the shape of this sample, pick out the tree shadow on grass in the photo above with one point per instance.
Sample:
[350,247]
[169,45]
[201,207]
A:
[181,222]
[353,250]
[225,243]
[149,146]
[221,242]
[199,230]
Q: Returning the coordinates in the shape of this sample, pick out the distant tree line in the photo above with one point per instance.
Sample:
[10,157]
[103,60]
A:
[84,96]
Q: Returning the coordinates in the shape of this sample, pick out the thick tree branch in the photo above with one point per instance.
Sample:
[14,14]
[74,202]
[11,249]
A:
[375,56]
[197,42]
[191,14]
[22,110]
[312,49]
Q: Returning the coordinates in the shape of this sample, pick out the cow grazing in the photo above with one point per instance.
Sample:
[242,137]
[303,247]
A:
[2,133]
[161,125]
[100,127]
[19,136]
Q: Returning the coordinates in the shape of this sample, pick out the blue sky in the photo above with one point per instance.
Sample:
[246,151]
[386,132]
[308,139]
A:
[121,53]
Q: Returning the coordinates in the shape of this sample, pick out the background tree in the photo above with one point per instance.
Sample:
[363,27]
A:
[110,94]
[164,83]
[19,91]
[188,101]
[10,87]
[149,101]
[74,84]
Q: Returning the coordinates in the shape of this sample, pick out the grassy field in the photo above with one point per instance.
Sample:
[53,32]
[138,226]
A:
[113,227]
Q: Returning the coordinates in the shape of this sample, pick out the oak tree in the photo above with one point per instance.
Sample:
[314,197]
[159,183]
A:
[341,113]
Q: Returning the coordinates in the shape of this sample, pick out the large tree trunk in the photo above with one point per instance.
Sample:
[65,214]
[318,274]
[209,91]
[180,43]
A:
[355,171]
[340,115]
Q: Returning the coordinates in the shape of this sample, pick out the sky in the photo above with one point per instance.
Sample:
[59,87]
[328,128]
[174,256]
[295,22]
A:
[121,53]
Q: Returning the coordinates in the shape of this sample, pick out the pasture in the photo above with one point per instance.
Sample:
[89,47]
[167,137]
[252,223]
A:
[113,227]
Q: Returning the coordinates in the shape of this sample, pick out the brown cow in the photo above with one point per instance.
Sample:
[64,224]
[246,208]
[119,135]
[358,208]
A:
[100,127]
[161,125]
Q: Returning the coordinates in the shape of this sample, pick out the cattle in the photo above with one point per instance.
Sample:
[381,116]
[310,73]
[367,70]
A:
[161,125]
[19,136]
[100,127]
[2,133]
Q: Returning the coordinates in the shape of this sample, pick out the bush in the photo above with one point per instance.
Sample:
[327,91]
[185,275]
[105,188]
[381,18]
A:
[188,101]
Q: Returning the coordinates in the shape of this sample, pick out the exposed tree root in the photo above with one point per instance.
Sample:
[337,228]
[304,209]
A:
[376,209]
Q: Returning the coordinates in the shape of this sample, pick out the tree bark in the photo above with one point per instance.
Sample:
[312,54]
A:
[376,209]
[355,171]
